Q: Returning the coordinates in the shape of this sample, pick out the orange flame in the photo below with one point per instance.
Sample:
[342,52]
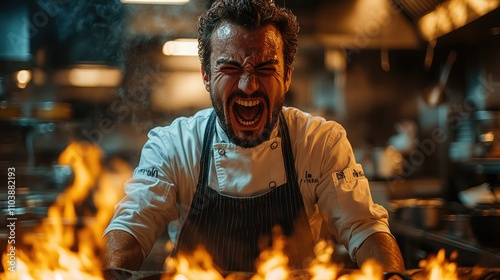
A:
[370,270]
[60,248]
[197,265]
[273,262]
[439,268]
[322,267]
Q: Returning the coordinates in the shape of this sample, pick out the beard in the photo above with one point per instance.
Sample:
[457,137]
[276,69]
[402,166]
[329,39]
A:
[218,106]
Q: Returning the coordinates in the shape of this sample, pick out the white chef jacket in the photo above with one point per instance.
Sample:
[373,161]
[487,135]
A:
[159,194]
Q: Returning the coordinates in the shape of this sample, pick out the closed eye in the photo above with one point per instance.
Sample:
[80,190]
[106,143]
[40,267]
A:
[267,67]
[230,69]
[228,66]
[266,70]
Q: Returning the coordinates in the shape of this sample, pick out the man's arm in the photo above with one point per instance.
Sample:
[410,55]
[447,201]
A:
[121,250]
[383,248]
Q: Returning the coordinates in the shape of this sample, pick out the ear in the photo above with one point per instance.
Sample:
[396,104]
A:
[288,79]
[206,79]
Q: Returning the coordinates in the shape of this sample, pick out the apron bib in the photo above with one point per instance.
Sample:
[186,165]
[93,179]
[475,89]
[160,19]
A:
[232,229]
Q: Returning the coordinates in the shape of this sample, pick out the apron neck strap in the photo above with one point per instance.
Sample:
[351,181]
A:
[286,149]
[285,142]
[205,153]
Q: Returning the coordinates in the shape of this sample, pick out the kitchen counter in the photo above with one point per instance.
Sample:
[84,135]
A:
[417,244]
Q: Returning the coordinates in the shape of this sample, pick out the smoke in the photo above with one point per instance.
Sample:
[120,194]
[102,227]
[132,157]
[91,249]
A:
[86,31]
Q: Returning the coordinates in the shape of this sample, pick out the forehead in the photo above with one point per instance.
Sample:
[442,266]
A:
[236,42]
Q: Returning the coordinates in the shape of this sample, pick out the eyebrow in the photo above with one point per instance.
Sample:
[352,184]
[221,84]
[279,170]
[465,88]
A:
[267,62]
[227,61]
[236,63]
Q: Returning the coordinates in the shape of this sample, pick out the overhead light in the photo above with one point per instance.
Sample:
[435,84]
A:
[160,2]
[89,76]
[180,90]
[482,7]
[453,14]
[23,76]
[181,47]
[335,59]
[458,12]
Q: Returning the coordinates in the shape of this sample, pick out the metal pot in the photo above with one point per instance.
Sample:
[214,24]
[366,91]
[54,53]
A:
[31,112]
[458,225]
[422,213]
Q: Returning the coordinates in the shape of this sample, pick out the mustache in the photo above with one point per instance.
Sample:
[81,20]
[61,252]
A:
[242,95]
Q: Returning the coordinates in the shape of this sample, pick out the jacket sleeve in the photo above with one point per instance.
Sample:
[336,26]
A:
[344,195]
[150,200]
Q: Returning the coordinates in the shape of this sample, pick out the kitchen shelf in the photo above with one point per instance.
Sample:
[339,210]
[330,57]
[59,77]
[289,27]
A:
[481,165]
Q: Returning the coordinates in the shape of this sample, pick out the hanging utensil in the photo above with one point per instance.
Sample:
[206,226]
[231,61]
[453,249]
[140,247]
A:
[435,95]
[429,54]
[384,59]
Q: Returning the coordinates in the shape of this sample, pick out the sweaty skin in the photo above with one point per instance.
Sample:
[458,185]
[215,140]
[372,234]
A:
[247,70]
[121,251]
[384,249]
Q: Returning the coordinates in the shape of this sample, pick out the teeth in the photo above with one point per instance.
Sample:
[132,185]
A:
[249,123]
[247,103]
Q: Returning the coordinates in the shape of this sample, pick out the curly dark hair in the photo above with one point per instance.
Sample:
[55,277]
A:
[250,14]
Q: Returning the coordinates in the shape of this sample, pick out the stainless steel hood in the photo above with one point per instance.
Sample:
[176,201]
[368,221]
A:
[469,20]
[389,24]
[356,24]
[347,24]
[417,9]
[353,24]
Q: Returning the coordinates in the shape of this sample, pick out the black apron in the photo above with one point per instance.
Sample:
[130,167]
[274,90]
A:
[232,229]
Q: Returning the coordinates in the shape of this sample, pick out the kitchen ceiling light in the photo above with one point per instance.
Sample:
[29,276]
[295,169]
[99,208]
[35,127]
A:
[335,59]
[23,76]
[94,77]
[453,14]
[89,76]
[161,2]
[181,47]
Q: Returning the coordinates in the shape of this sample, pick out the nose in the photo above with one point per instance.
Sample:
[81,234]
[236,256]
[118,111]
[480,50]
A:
[248,83]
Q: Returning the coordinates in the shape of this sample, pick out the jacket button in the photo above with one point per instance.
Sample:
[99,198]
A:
[274,145]
[222,152]
[272,184]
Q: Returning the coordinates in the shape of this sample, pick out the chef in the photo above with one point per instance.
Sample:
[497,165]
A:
[228,176]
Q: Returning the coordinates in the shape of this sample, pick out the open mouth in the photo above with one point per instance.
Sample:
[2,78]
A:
[248,112]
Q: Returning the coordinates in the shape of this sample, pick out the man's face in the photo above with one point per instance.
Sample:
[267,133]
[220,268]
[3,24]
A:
[247,81]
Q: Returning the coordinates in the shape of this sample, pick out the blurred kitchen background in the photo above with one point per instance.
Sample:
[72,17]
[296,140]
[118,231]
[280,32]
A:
[415,83]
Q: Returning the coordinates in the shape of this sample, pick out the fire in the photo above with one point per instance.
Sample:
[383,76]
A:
[197,265]
[322,267]
[272,262]
[63,246]
[439,268]
[370,270]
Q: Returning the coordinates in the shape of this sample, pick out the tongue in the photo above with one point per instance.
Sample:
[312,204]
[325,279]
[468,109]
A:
[247,113]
